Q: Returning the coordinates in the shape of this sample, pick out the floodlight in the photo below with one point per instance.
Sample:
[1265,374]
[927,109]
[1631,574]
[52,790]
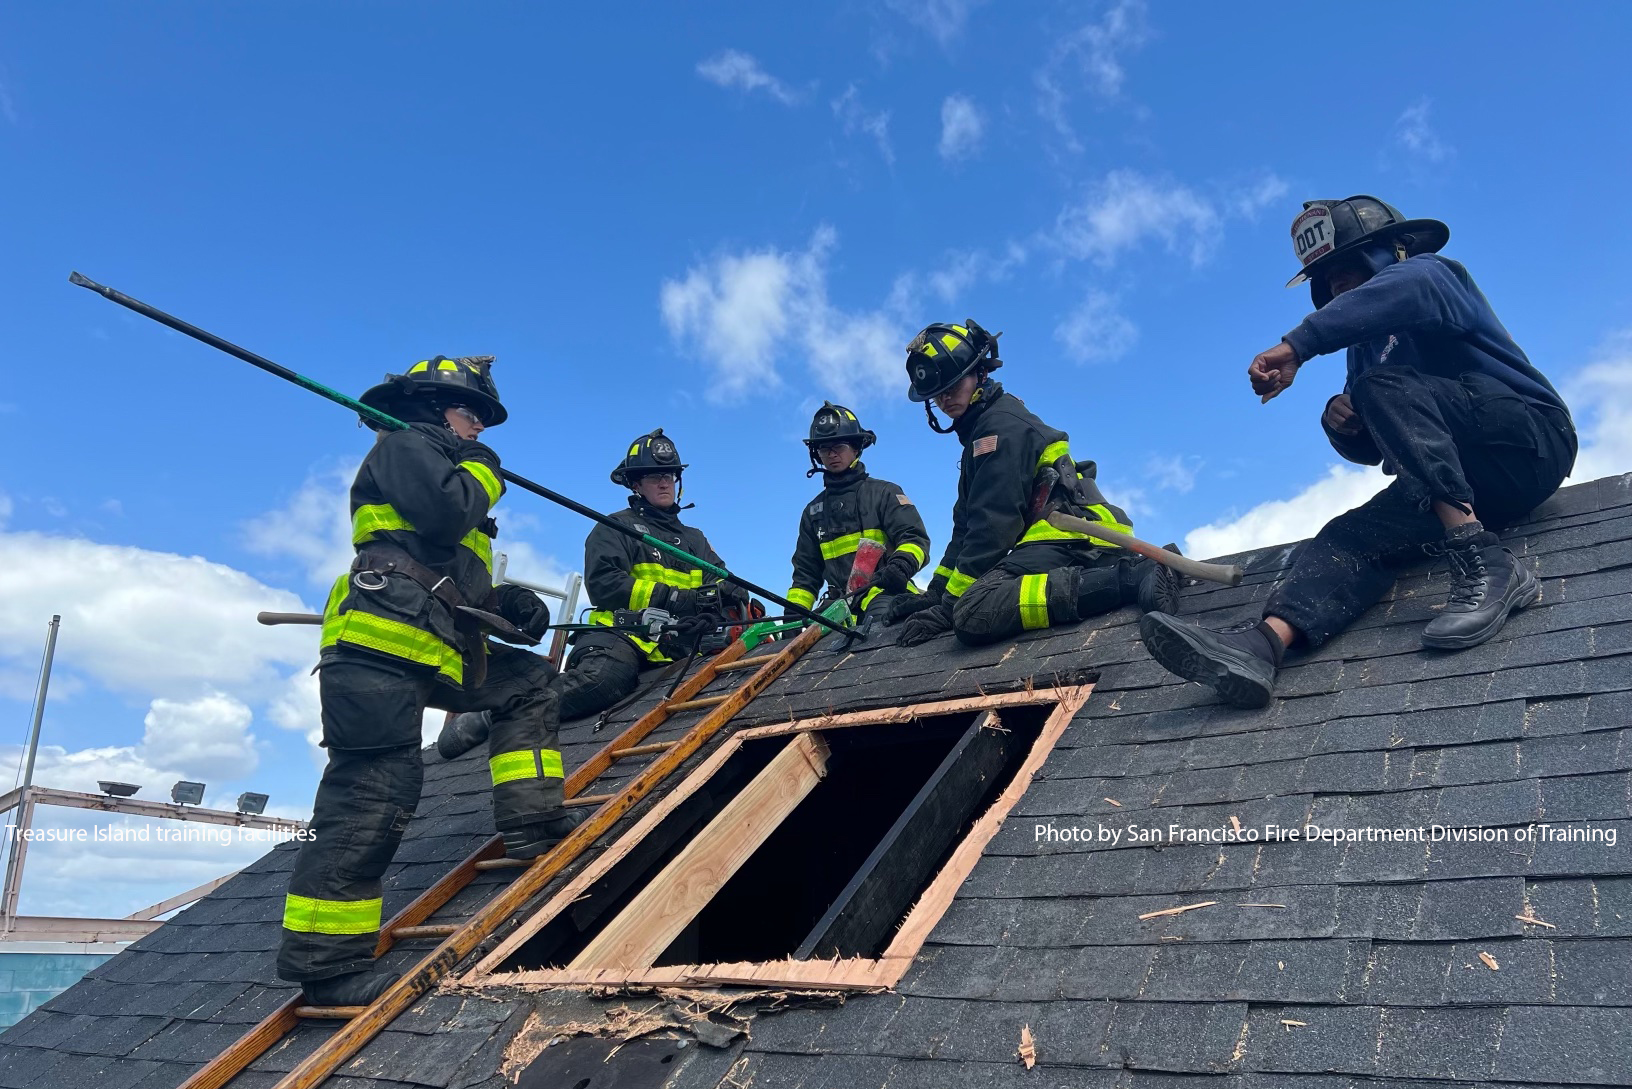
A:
[185,793]
[117,790]
[252,804]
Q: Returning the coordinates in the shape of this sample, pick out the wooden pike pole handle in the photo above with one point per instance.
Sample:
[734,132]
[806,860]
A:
[1228,574]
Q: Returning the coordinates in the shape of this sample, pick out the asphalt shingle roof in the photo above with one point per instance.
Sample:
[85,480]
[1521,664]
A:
[1366,970]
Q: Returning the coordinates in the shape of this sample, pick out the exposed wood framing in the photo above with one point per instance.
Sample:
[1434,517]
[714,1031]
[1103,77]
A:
[848,974]
[672,899]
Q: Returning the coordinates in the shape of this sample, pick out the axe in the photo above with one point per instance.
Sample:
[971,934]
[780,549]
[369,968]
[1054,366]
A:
[1227,574]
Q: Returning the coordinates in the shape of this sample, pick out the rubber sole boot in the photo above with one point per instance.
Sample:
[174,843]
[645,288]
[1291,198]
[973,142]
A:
[1202,655]
[1159,590]
[351,989]
[463,733]
[1499,587]
[532,840]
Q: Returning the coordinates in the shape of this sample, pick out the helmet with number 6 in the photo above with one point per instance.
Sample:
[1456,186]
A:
[1328,232]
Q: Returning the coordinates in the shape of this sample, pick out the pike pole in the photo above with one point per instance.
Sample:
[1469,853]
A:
[388,421]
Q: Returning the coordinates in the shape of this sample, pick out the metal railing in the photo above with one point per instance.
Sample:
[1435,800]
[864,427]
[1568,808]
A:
[568,596]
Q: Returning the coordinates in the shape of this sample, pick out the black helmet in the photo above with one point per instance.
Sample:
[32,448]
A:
[438,382]
[942,354]
[835,423]
[1327,230]
[654,452]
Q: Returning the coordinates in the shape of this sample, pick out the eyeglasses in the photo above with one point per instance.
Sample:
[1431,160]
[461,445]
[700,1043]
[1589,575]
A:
[659,478]
[468,414]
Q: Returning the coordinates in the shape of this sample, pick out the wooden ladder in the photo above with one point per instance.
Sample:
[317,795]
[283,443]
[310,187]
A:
[458,940]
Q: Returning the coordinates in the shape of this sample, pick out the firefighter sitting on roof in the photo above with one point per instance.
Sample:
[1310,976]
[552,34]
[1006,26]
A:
[395,642]
[1007,569]
[622,573]
[853,508]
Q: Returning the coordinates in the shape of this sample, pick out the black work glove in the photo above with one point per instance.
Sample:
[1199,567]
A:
[732,594]
[925,625]
[675,600]
[905,605]
[472,450]
[525,609]
[687,633]
[893,577]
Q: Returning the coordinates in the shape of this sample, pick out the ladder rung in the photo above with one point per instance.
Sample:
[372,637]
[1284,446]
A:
[504,863]
[436,930]
[697,704]
[744,663]
[330,1013]
[642,750]
[591,799]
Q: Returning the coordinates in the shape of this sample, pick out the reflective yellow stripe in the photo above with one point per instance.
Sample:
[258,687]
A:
[372,518]
[491,484]
[640,595]
[912,550]
[944,572]
[1053,452]
[958,583]
[656,572]
[1034,601]
[447,365]
[391,637]
[647,647]
[481,544]
[802,598]
[843,546]
[422,365]
[867,598]
[307,915]
[507,767]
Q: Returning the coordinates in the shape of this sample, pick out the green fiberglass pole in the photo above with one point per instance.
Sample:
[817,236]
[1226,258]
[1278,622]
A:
[391,422]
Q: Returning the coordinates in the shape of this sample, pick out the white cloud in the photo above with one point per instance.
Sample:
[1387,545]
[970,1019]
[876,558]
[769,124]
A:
[857,118]
[961,127]
[208,736]
[1257,195]
[1173,474]
[1096,331]
[1127,209]
[730,68]
[743,314]
[1281,521]
[313,527]
[943,19]
[1090,56]
[1600,395]
[1414,132]
[143,622]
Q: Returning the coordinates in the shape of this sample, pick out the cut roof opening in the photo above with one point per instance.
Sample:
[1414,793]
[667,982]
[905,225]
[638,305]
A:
[798,847]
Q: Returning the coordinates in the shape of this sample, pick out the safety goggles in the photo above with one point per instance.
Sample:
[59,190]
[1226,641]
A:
[468,414]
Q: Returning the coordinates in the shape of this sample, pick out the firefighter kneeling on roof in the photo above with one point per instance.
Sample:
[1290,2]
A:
[855,514]
[1007,569]
[395,642]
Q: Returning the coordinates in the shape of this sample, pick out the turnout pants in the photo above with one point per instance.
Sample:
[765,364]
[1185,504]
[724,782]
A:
[372,711]
[1470,442]
[604,667]
[1039,586]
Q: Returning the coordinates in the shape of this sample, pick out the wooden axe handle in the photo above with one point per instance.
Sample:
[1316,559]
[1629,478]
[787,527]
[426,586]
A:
[289,618]
[1229,575]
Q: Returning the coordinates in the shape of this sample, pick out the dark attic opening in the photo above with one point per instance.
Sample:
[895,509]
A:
[807,845]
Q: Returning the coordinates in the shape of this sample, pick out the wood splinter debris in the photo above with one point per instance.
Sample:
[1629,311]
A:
[1235,822]
[1490,962]
[1028,1047]
[1281,906]
[1289,1023]
[1114,802]
[1177,910]
[1531,920]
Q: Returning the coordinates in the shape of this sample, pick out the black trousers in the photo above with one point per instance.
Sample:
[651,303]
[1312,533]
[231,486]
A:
[1038,586]
[604,667]
[1470,442]
[372,712]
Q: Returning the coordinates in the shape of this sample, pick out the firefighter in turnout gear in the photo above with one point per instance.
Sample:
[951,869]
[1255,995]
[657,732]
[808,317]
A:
[623,574]
[1006,569]
[852,508]
[393,643]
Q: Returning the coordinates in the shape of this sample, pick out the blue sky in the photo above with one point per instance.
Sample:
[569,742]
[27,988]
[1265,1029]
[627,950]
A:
[705,220]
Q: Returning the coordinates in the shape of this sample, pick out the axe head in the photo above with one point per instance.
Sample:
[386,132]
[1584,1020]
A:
[499,626]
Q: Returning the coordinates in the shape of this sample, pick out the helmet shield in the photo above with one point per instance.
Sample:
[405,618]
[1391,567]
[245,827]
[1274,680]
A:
[1327,232]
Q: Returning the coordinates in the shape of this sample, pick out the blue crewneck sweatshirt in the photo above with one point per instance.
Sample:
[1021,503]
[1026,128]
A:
[1425,313]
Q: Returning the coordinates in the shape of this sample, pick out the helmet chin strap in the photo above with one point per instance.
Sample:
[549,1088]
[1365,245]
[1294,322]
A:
[934,424]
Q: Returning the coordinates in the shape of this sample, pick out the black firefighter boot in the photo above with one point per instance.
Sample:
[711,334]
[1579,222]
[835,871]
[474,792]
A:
[1159,585]
[1238,662]
[461,733]
[1487,583]
[532,840]
[351,989]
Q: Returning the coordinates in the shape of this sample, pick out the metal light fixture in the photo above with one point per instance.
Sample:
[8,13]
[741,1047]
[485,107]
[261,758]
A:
[117,790]
[186,793]
[252,804]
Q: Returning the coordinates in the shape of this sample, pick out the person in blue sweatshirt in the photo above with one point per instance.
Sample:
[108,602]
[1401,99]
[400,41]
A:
[1441,397]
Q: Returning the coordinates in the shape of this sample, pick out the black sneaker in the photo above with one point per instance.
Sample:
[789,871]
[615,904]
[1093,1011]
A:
[1487,583]
[1159,589]
[1238,664]
[532,840]
[463,733]
[351,989]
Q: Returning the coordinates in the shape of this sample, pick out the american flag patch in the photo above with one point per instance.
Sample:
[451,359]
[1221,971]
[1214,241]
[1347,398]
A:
[985,445]
[903,500]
